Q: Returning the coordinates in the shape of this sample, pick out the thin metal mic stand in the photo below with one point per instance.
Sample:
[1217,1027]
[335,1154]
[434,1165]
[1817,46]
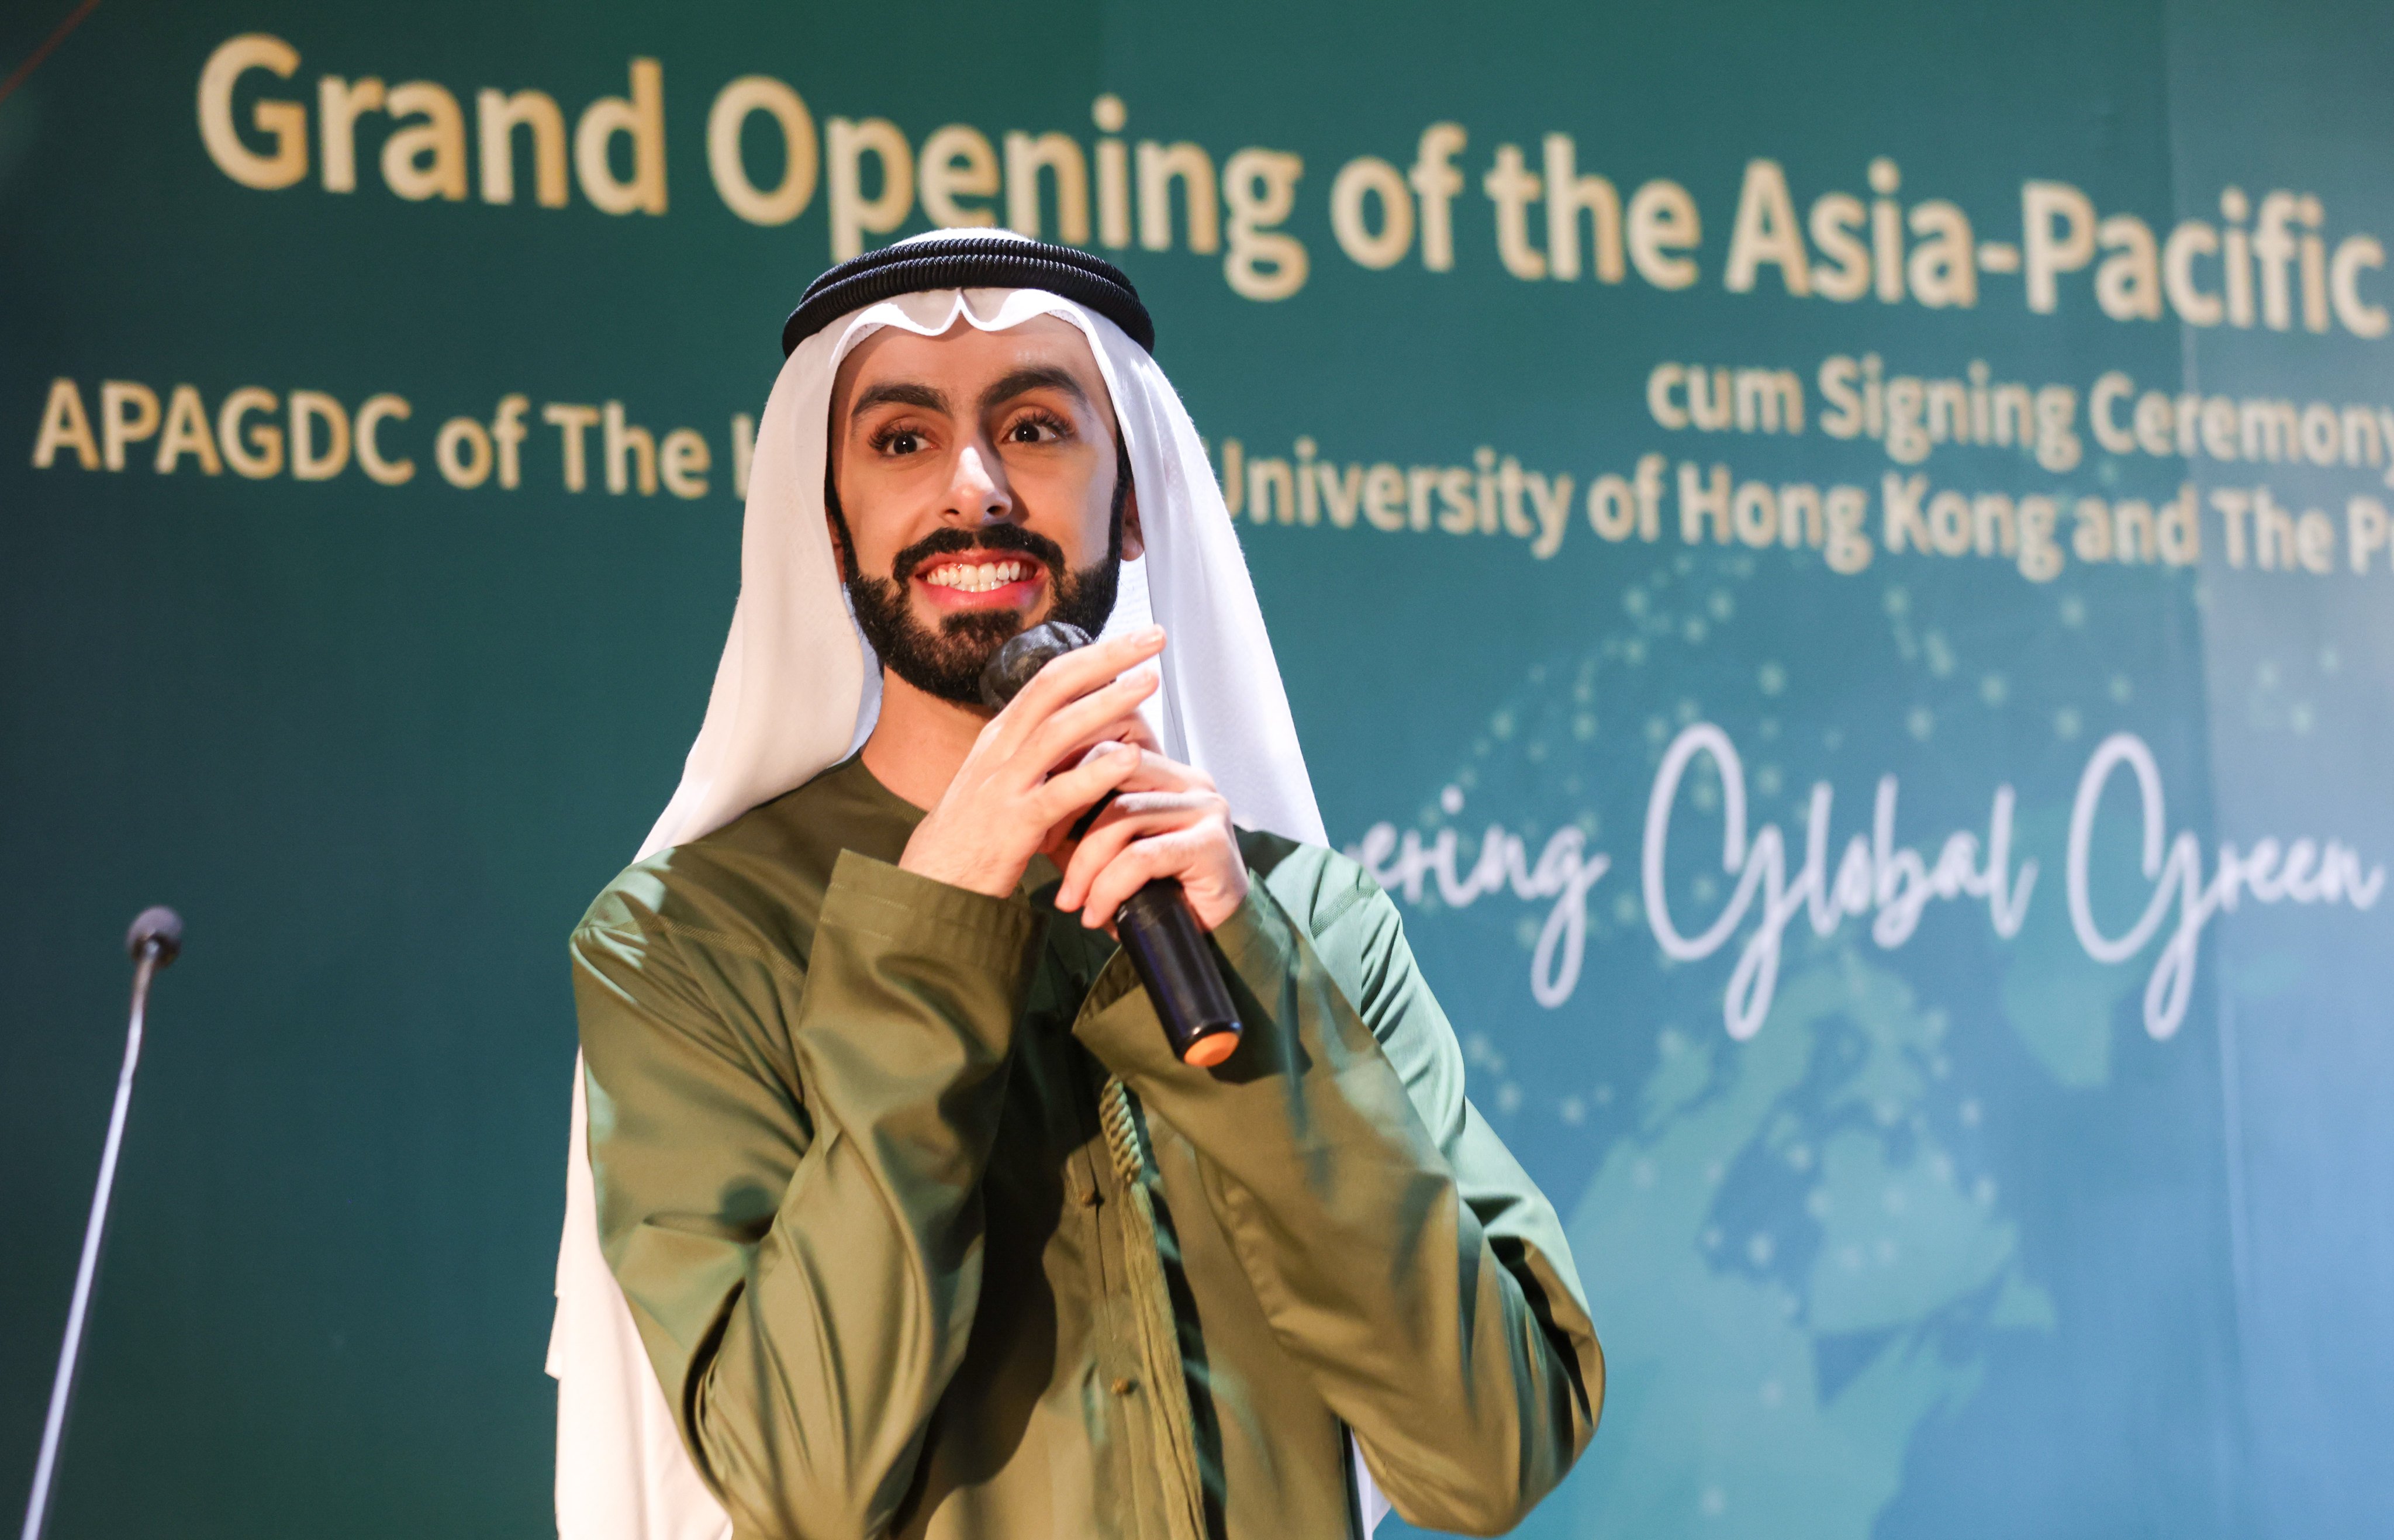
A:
[154,940]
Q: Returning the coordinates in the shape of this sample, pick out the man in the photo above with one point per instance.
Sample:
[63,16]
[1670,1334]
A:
[919,1223]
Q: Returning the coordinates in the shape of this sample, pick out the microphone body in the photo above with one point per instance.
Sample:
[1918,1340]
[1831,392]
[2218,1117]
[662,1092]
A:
[1159,930]
[1168,951]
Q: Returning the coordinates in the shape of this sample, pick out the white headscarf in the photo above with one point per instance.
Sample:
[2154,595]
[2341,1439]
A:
[796,693]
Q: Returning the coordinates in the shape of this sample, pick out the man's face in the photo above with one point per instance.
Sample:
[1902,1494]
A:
[980,490]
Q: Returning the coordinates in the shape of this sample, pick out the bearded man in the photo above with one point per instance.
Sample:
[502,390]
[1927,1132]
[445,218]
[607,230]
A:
[890,1211]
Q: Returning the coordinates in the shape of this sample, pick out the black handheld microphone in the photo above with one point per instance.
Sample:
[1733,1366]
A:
[1157,926]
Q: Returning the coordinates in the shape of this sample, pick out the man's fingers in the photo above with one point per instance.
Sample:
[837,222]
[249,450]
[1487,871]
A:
[1133,815]
[1082,722]
[1145,860]
[1069,676]
[1154,798]
[1098,848]
[1065,794]
[1151,772]
[1156,773]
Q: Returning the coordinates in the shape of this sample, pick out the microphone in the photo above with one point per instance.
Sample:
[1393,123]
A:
[154,942]
[157,933]
[1157,926]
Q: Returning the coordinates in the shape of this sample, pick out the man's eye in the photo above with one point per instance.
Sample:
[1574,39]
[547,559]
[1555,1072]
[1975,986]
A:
[1034,430]
[900,443]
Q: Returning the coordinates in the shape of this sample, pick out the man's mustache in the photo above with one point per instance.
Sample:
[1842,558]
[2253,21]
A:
[996,537]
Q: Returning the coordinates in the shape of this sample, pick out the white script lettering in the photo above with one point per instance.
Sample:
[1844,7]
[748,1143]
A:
[1872,874]
[2300,873]
[1564,873]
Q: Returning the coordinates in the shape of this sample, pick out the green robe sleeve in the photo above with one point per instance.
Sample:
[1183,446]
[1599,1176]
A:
[1397,1249]
[789,1168]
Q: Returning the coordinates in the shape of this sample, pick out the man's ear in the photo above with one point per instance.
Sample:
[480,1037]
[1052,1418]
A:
[1134,544]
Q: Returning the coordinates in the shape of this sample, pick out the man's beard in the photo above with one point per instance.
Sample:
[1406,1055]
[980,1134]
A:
[947,662]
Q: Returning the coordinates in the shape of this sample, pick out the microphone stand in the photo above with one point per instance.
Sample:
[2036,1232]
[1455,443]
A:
[157,936]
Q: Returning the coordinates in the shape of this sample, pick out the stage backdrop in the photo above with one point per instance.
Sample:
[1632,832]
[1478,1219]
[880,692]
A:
[1836,564]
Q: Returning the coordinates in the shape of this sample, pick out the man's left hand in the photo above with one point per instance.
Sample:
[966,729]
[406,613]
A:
[1167,820]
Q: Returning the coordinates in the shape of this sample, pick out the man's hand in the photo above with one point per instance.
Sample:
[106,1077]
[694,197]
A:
[1072,736]
[1167,822]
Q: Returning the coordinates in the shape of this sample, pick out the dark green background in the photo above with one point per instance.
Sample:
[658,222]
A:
[381,746]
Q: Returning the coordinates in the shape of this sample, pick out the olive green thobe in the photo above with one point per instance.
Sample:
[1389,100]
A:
[927,1232]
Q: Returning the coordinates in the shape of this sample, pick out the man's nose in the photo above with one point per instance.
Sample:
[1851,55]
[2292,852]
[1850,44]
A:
[978,494]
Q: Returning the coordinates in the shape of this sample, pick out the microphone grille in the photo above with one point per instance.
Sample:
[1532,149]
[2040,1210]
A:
[1025,655]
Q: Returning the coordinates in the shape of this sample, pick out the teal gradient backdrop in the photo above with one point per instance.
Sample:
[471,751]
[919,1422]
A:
[1962,1237]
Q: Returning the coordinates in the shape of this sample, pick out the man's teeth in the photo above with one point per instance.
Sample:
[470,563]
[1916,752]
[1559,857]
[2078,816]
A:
[977,577]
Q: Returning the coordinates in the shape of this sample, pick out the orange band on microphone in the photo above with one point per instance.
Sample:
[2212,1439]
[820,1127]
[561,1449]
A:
[1212,1049]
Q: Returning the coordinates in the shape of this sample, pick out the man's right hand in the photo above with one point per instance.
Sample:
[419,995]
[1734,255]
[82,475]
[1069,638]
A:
[1042,759]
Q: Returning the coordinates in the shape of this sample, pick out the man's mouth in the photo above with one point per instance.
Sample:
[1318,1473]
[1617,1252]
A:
[978,580]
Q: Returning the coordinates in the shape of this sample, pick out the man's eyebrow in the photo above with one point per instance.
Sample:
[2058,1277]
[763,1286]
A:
[1034,378]
[901,393]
